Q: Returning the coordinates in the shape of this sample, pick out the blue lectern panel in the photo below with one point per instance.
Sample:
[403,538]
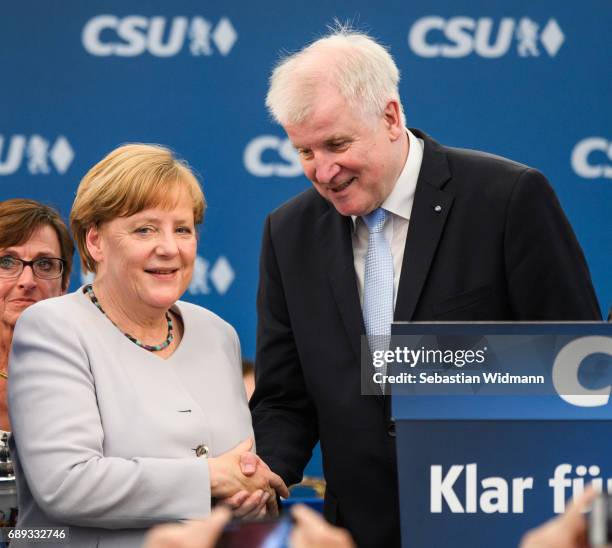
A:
[469,484]
[487,480]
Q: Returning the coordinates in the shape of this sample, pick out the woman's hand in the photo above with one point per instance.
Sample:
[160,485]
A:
[227,479]
[251,506]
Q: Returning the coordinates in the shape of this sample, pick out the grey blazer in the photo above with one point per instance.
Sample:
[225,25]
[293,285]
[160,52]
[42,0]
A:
[104,432]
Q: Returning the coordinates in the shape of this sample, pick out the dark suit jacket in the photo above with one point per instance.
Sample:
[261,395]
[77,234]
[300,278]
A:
[499,249]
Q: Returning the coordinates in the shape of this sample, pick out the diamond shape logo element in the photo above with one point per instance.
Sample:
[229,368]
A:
[61,154]
[222,275]
[224,36]
[552,37]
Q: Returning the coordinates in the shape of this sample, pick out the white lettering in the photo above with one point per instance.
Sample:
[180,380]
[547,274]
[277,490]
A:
[567,365]
[14,155]
[470,488]
[494,497]
[519,486]
[483,37]
[417,37]
[434,36]
[457,32]
[559,483]
[132,29]
[106,35]
[178,31]
[36,152]
[256,165]
[580,158]
[92,31]
[443,489]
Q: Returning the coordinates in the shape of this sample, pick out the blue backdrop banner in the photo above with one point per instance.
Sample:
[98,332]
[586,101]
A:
[520,79]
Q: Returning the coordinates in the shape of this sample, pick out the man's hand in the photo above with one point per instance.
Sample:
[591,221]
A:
[312,531]
[249,506]
[226,477]
[192,534]
[250,463]
[569,530]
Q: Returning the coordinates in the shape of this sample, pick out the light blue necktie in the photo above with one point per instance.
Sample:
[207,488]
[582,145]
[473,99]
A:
[378,283]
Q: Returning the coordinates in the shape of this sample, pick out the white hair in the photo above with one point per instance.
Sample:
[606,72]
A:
[358,67]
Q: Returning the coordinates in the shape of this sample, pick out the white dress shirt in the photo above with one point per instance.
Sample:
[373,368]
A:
[399,204]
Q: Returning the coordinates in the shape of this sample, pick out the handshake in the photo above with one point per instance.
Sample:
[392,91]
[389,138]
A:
[245,483]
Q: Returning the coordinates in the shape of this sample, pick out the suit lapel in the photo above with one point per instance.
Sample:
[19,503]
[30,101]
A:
[432,205]
[335,229]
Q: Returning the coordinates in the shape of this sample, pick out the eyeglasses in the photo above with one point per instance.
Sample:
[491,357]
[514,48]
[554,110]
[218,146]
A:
[45,268]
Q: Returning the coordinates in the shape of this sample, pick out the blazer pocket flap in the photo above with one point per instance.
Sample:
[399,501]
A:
[463,300]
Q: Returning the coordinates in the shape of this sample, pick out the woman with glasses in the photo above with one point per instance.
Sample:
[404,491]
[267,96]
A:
[35,261]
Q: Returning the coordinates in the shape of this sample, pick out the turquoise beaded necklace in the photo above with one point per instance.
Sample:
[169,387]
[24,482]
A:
[151,348]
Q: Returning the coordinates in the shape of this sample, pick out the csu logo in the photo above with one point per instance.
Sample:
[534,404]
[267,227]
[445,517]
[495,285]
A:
[566,368]
[435,36]
[39,154]
[271,156]
[220,274]
[134,35]
[592,158]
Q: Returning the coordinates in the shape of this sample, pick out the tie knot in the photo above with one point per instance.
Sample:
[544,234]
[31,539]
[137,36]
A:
[375,220]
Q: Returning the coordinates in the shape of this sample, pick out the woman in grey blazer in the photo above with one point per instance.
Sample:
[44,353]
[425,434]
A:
[127,405]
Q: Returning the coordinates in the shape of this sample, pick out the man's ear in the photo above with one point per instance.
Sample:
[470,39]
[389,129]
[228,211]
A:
[93,241]
[393,120]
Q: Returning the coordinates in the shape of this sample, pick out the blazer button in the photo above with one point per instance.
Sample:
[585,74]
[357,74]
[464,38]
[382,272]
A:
[202,451]
[391,429]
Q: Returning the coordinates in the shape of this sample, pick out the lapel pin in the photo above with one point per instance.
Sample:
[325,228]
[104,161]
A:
[437,208]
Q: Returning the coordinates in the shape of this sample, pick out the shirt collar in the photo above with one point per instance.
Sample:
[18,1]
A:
[400,201]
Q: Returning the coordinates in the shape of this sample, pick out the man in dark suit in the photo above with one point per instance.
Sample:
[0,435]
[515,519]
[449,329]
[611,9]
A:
[471,237]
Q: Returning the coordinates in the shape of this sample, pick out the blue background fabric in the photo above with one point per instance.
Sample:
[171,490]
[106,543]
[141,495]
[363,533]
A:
[530,81]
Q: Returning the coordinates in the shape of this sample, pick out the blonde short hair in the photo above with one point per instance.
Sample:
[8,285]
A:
[130,179]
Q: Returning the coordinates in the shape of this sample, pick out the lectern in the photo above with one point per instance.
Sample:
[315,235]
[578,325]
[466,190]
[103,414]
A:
[481,462]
